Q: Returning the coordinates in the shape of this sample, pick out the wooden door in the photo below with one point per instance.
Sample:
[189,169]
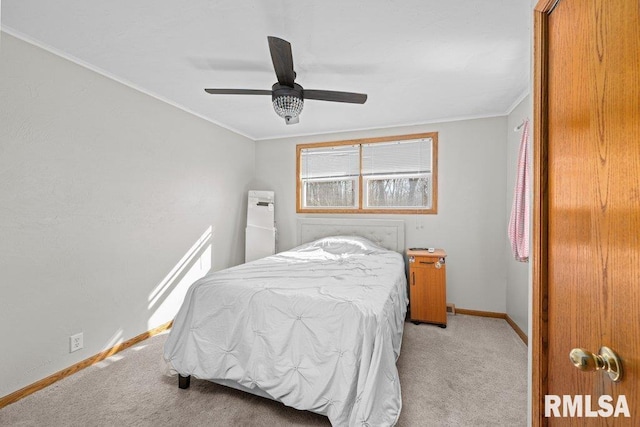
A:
[428,291]
[586,203]
[419,293]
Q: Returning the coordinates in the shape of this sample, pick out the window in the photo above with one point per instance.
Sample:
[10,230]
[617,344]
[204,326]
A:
[382,175]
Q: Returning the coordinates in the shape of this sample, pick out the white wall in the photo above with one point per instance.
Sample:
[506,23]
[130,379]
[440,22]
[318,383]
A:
[471,224]
[111,203]
[517,272]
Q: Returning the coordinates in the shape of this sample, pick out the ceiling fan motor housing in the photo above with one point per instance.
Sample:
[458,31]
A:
[282,90]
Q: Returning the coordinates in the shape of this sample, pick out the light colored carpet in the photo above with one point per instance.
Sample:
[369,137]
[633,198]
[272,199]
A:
[473,373]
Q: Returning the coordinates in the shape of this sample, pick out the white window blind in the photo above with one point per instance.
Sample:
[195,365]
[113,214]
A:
[397,157]
[330,162]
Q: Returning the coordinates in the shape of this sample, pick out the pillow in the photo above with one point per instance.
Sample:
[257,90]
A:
[350,245]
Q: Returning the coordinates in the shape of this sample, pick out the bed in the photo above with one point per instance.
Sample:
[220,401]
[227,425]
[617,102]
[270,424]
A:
[318,327]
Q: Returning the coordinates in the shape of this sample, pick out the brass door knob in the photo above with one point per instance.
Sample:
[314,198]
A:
[606,360]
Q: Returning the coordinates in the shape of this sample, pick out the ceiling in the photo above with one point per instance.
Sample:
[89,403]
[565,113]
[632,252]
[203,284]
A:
[419,61]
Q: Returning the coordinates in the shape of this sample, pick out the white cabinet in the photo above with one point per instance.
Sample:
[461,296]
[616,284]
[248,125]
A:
[260,234]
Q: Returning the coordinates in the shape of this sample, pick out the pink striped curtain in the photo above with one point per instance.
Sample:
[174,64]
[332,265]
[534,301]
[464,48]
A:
[519,221]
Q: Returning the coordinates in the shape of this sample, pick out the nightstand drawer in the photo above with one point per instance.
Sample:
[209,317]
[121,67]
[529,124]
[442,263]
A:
[426,262]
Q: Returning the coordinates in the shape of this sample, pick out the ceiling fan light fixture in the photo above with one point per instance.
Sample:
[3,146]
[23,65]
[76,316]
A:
[287,96]
[288,106]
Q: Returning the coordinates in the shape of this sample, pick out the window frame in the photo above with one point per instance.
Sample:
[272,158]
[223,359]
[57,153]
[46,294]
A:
[360,209]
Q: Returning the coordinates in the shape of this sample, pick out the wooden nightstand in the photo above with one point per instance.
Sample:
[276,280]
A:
[428,286]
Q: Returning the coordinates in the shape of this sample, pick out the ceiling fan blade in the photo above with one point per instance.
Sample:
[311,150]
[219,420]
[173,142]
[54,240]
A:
[238,91]
[330,95]
[282,60]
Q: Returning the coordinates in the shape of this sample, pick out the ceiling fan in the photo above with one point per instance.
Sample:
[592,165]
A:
[288,97]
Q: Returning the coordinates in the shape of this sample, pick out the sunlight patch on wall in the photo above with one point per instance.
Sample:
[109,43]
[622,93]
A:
[108,361]
[115,340]
[111,345]
[166,298]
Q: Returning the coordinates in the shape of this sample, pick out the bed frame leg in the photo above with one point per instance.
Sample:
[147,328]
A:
[184,382]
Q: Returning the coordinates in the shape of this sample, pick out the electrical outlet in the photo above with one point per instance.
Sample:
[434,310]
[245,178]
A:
[75,342]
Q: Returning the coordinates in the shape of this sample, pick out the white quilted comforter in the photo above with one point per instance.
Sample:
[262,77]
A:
[318,328]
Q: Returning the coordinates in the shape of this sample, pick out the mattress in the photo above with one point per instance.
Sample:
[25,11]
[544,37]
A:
[318,328]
